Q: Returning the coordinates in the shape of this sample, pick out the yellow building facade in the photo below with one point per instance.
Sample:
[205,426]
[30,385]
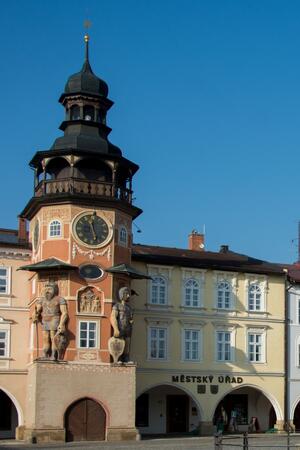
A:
[208,333]
[14,329]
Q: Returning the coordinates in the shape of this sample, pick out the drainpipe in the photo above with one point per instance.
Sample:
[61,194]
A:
[288,286]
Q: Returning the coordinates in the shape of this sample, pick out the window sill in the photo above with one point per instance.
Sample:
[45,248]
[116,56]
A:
[192,308]
[123,244]
[225,311]
[257,313]
[158,306]
[191,361]
[225,362]
[87,349]
[254,363]
[158,360]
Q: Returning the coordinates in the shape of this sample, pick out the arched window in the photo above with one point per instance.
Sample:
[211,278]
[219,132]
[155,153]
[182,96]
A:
[75,112]
[123,236]
[54,228]
[191,293]
[88,112]
[254,298]
[224,295]
[158,291]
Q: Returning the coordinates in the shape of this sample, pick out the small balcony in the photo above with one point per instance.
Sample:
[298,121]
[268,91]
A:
[75,186]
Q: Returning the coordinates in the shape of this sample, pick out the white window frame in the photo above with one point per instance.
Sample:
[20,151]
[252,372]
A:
[6,343]
[158,328]
[256,294]
[5,329]
[298,310]
[55,223]
[123,233]
[191,329]
[262,344]
[231,279]
[164,272]
[196,286]
[223,359]
[7,277]
[224,291]
[88,330]
[262,282]
[165,284]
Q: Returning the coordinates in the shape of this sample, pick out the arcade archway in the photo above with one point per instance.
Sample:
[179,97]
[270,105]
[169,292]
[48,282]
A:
[85,420]
[166,409]
[297,417]
[245,409]
[8,417]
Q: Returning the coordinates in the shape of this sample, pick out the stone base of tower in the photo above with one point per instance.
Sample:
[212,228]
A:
[59,393]
[123,434]
[42,436]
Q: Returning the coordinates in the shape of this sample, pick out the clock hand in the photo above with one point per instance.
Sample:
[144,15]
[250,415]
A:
[92,228]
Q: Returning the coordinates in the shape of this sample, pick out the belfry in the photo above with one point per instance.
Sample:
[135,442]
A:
[80,217]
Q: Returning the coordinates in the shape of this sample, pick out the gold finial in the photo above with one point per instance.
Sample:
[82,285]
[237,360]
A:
[87,24]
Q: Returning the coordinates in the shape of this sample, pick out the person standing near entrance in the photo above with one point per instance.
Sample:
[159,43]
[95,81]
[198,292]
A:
[222,420]
[233,420]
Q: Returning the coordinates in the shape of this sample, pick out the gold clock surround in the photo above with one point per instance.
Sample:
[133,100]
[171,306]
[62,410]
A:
[79,241]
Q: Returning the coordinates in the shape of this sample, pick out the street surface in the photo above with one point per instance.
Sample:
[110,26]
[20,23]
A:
[262,442]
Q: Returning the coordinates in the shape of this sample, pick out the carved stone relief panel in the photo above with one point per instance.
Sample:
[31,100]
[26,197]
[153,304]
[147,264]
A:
[90,300]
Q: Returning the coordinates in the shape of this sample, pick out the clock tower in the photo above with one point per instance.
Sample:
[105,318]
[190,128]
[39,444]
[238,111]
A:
[80,223]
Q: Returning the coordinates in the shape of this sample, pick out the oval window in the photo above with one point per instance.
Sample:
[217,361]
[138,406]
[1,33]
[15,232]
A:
[91,271]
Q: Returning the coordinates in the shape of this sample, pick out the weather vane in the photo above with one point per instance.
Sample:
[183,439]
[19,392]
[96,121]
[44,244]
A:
[87,24]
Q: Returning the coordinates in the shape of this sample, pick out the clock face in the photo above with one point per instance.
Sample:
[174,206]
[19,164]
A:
[36,234]
[92,230]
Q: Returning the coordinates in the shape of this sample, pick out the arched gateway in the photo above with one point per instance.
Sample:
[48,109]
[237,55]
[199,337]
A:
[85,420]
[250,408]
[166,409]
[8,417]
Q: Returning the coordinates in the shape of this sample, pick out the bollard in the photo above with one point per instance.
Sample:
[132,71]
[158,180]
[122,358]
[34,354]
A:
[288,439]
[218,442]
[245,441]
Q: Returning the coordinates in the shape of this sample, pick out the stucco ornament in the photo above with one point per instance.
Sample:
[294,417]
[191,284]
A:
[51,311]
[121,320]
[89,301]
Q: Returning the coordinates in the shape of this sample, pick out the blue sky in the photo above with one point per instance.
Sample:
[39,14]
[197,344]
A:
[207,102]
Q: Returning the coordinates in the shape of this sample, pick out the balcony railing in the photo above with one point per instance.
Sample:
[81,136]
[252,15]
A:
[80,186]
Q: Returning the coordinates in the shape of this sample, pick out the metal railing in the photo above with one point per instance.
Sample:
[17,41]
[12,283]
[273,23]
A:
[81,186]
[245,441]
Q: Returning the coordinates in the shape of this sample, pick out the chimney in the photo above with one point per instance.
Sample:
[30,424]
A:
[22,232]
[224,249]
[196,241]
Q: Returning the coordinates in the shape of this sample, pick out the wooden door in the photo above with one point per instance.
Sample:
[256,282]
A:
[177,413]
[85,421]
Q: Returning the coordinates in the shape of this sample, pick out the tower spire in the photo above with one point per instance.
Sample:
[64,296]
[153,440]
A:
[87,24]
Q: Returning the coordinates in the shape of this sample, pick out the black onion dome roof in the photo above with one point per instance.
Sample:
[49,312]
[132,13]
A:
[86,81]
